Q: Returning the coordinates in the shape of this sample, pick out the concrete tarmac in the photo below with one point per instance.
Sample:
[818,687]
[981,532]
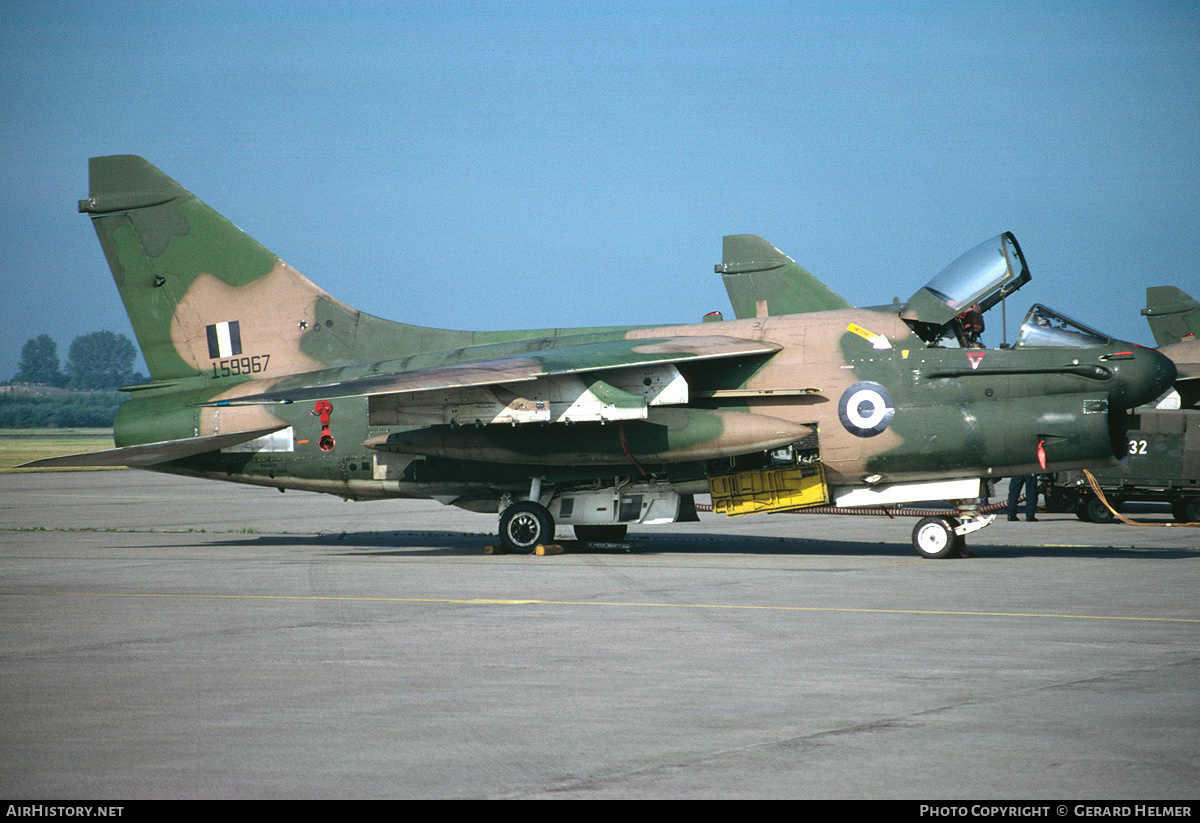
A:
[173,638]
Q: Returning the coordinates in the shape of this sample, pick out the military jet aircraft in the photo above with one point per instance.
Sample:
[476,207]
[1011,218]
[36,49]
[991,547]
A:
[1174,318]
[259,376]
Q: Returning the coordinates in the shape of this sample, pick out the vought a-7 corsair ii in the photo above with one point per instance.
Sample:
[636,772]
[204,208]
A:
[259,376]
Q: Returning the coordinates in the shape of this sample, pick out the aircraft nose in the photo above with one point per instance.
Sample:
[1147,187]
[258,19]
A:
[1141,374]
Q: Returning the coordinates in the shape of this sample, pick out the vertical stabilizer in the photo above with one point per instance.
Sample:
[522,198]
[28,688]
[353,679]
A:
[205,298]
[762,280]
[199,291]
[1172,314]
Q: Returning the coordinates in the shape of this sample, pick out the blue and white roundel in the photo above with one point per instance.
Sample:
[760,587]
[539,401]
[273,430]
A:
[866,409]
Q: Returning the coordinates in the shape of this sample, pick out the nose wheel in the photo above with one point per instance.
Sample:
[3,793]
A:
[945,535]
[934,538]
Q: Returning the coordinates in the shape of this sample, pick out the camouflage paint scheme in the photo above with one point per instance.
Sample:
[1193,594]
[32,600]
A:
[1174,318]
[240,347]
[1163,453]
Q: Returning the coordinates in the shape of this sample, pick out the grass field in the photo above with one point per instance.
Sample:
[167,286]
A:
[19,446]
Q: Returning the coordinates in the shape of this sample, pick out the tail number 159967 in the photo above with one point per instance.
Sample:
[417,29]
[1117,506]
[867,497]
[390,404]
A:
[252,364]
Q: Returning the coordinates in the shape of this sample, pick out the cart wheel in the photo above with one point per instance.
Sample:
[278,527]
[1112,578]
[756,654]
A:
[1097,512]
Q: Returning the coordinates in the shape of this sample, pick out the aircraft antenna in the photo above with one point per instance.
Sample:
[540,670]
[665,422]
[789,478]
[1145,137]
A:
[1004,322]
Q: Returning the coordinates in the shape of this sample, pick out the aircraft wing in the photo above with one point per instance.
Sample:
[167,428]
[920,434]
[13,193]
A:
[149,454]
[1186,356]
[1188,387]
[575,359]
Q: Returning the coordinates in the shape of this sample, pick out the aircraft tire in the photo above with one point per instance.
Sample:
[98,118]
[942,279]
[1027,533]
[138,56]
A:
[934,538]
[600,534]
[524,525]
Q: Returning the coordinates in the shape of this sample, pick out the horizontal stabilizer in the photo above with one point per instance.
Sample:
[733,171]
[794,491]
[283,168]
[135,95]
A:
[149,454]
[586,357]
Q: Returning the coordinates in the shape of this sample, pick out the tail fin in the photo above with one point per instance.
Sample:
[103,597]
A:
[762,280]
[1172,314]
[204,297]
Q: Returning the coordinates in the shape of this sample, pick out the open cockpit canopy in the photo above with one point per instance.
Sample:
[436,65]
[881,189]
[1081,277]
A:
[976,281]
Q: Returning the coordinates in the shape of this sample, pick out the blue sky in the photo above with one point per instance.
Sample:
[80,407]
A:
[529,164]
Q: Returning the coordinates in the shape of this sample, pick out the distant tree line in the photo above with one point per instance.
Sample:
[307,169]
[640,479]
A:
[100,361]
[42,395]
[68,410]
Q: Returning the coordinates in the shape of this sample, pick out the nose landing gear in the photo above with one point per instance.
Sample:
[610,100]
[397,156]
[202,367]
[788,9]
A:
[934,538]
[943,536]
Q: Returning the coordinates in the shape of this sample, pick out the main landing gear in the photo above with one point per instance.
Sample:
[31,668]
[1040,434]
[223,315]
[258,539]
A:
[524,525]
[527,523]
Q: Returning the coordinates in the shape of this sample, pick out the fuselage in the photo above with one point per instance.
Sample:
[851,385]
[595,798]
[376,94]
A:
[261,376]
[884,407]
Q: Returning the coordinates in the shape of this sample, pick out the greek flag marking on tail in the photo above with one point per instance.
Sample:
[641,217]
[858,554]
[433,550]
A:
[224,339]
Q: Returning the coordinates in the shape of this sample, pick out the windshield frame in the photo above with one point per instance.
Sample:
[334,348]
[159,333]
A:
[1044,327]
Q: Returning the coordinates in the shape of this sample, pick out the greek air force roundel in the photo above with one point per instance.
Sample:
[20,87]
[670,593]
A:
[866,409]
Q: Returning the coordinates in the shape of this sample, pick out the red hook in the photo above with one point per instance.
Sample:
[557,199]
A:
[322,410]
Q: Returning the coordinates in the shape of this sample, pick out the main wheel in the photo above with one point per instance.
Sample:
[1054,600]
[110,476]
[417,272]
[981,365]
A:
[524,525]
[934,538]
[600,534]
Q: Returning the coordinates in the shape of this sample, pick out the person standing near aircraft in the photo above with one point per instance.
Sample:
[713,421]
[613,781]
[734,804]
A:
[1030,483]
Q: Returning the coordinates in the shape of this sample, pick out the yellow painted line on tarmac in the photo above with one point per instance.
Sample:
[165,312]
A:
[607,604]
[107,498]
